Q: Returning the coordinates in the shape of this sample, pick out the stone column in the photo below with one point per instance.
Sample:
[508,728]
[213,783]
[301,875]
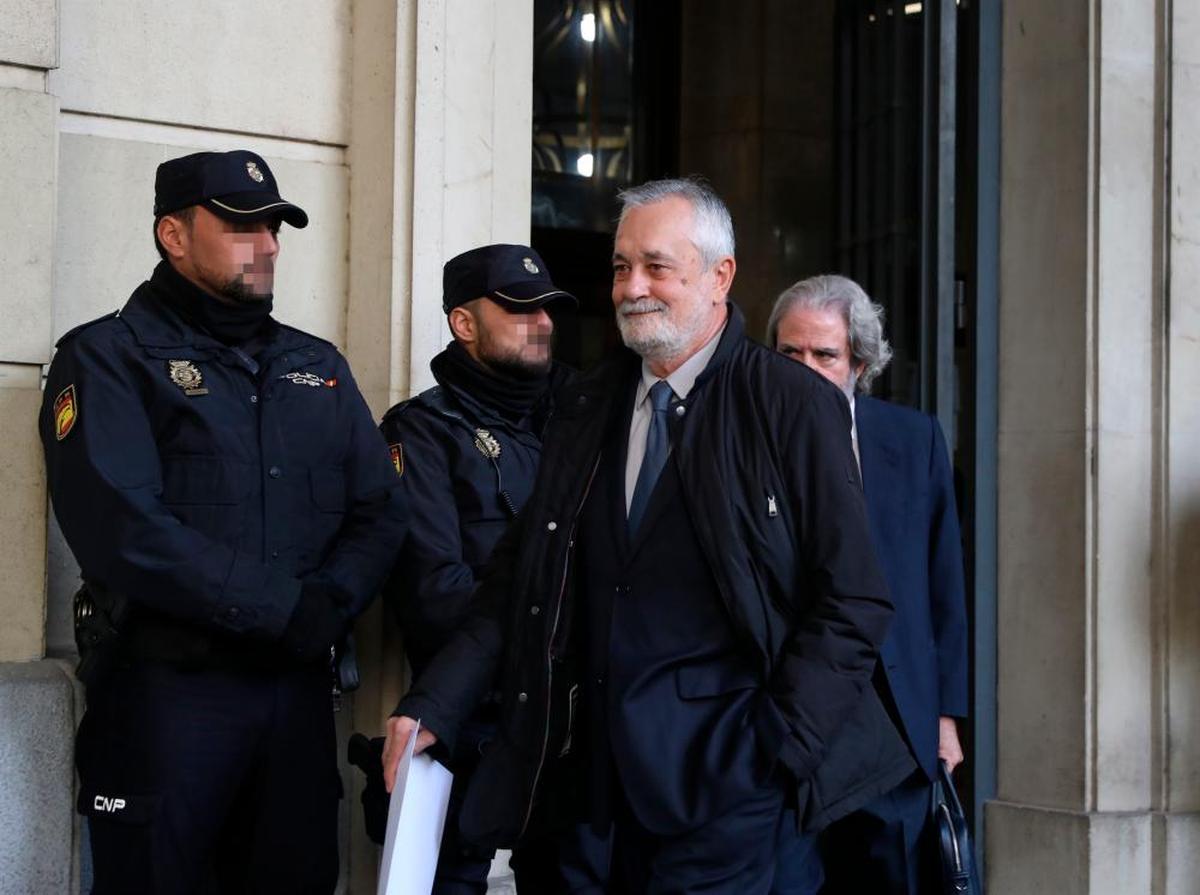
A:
[1095,631]
[439,158]
[37,705]
[1177,703]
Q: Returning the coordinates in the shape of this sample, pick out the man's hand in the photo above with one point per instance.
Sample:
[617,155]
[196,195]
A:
[399,732]
[949,749]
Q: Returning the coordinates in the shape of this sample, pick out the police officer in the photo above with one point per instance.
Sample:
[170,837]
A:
[232,507]
[468,452]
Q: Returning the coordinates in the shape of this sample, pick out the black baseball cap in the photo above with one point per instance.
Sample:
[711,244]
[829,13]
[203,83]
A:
[236,186]
[513,276]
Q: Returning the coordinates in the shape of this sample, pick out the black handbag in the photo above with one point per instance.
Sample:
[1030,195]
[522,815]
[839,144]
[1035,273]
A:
[956,858]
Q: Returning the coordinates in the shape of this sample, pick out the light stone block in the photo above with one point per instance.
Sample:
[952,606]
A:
[1183,372]
[29,32]
[1030,850]
[469,56]
[1125,305]
[1041,618]
[276,68]
[106,247]
[378,204]
[471,168]
[16,77]
[1120,853]
[1043,245]
[512,121]
[1182,854]
[37,817]
[23,524]
[1033,850]
[28,167]
[1125,618]
[62,581]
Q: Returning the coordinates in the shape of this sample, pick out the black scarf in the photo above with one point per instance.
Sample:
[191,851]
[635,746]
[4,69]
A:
[233,323]
[511,397]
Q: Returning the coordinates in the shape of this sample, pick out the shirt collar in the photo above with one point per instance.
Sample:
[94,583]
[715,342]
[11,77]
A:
[684,378]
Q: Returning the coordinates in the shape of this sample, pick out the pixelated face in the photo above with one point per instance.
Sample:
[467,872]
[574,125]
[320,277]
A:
[667,303]
[820,340]
[233,260]
[519,343]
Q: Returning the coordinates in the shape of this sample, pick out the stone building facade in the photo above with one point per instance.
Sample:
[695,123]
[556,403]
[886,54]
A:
[403,127]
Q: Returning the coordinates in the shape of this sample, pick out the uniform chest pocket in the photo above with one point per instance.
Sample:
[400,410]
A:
[204,481]
[328,488]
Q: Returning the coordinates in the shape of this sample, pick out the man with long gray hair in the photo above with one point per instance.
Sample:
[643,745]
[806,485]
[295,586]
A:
[688,606]
[829,324]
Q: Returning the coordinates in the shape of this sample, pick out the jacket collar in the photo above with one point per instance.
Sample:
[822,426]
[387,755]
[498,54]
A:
[875,446]
[155,325]
[734,335]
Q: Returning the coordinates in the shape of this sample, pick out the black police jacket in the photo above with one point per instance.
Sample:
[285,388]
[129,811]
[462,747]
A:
[773,490]
[466,471]
[203,485]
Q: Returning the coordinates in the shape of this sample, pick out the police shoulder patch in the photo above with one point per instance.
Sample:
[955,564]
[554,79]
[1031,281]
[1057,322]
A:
[397,457]
[66,411]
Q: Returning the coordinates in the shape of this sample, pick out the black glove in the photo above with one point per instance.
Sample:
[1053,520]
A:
[319,620]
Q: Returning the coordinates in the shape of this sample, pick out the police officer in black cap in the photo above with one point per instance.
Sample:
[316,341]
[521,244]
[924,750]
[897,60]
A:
[232,507]
[468,450]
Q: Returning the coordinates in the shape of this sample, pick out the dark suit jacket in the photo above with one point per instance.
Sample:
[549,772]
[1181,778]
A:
[910,504]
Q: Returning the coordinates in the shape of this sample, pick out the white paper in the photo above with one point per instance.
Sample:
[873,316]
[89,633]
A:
[416,817]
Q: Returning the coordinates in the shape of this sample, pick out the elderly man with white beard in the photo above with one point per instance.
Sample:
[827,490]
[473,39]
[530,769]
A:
[686,616]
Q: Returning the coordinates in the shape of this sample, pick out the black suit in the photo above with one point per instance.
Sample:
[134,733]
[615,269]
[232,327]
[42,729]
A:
[668,682]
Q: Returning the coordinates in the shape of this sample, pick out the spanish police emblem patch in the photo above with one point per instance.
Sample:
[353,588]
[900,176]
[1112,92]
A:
[255,174]
[397,458]
[65,412]
[530,266]
[487,444]
[186,375]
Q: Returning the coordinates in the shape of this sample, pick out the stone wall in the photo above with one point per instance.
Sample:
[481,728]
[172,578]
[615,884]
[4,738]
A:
[401,126]
[1098,495]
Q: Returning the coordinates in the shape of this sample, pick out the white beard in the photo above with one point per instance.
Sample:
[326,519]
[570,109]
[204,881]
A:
[655,336]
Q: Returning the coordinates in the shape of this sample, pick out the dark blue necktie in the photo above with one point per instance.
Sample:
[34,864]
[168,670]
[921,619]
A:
[657,445]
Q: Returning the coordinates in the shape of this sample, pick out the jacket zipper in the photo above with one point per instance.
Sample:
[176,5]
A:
[537,774]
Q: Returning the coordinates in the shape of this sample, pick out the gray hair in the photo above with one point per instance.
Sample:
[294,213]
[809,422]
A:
[864,319]
[712,227]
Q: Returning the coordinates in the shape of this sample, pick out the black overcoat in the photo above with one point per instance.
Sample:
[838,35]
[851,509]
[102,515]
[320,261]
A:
[774,492]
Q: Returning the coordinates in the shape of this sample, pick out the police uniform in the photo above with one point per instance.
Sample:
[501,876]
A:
[468,451]
[467,470]
[214,494]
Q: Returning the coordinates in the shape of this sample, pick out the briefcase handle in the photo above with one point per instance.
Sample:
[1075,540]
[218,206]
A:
[956,858]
